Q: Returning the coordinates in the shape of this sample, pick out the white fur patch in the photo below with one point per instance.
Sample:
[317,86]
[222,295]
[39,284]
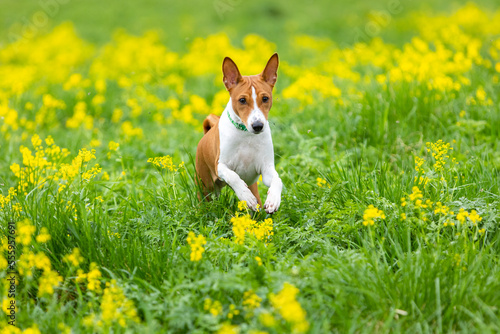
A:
[256,114]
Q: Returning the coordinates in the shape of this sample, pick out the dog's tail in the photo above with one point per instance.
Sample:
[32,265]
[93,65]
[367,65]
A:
[209,122]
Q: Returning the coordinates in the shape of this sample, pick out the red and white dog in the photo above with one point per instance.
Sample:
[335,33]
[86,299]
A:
[237,146]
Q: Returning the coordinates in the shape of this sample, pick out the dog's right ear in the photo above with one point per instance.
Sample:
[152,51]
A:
[231,73]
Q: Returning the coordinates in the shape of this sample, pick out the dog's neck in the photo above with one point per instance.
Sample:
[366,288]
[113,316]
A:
[235,119]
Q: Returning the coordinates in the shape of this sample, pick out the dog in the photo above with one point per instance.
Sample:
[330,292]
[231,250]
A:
[237,147]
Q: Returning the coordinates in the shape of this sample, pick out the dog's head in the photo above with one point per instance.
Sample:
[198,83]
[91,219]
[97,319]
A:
[251,96]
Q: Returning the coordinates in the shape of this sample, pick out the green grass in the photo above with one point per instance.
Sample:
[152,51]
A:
[401,276]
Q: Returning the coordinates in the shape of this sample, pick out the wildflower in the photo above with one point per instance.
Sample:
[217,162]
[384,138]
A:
[44,235]
[3,263]
[165,162]
[370,214]
[214,307]
[321,182]
[74,258]
[416,194]
[196,243]
[64,328]
[92,277]
[117,115]
[115,307]
[228,329]
[441,209]
[267,319]
[418,163]
[113,146]
[259,260]
[242,205]
[6,302]
[232,311]
[251,300]
[439,152]
[474,217]
[244,224]
[24,232]
[403,216]
[48,281]
[403,201]
[462,215]
[289,308]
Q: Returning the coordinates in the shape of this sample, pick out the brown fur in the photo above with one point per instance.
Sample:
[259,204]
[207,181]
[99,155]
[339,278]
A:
[207,158]
[241,87]
[209,122]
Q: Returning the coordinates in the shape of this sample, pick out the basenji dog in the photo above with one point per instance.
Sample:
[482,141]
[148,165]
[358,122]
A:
[237,147]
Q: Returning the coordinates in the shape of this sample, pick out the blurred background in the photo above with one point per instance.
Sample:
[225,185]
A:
[180,21]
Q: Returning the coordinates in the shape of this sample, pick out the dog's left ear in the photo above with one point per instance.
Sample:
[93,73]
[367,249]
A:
[270,73]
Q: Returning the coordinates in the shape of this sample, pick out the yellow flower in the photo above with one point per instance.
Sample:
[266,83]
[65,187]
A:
[48,281]
[165,162]
[267,319]
[117,115]
[418,163]
[289,308]
[6,304]
[232,311]
[259,260]
[370,214]
[74,258]
[113,146]
[403,216]
[441,209]
[244,224]
[228,329]
[92,277]
[321,182]
[214,307]
[242,205]
[416,194]
[24,232]
[251,300]
[196,243]
[3,263]
[63,328]
[439,151]
[462,215]
[115,307]
[474,217]
[44,235]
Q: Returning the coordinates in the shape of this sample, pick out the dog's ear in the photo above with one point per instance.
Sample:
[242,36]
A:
[270,73]
[231,73]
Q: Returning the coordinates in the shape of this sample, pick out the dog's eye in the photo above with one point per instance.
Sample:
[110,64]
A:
[243,100]
[265,99]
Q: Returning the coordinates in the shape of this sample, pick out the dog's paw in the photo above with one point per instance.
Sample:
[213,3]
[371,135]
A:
[244,194]
[273,201]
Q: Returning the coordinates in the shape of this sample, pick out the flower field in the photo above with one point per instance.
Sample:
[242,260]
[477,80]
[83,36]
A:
[388,147]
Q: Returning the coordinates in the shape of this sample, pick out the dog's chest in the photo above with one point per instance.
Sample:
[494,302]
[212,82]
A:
[244,153]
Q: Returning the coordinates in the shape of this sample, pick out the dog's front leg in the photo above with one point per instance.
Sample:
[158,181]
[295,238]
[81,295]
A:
[272,180]
[239,186]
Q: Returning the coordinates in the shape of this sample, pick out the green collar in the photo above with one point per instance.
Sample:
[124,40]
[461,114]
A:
[237,125]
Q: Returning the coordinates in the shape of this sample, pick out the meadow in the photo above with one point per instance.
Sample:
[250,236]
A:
[386,130]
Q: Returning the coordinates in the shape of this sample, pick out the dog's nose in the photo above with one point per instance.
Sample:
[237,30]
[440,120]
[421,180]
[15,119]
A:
[257,126]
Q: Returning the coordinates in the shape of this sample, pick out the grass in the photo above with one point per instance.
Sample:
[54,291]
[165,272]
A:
[429,272]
